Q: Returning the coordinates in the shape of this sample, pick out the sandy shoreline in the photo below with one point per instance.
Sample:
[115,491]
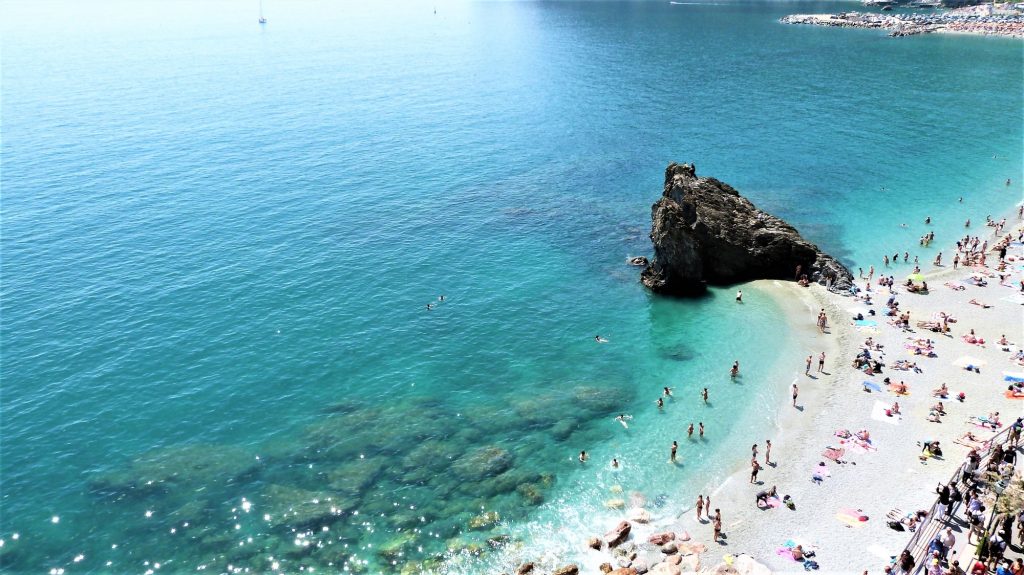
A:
[892,477]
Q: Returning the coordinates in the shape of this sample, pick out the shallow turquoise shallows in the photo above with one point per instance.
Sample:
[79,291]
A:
[219,241]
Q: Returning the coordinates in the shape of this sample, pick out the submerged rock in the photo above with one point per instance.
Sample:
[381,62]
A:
[180,467]
[484,520]
[705,232]
[291,506]
[482,463]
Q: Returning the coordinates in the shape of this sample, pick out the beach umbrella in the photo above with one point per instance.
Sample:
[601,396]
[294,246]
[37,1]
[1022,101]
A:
[967,360]
[916,278]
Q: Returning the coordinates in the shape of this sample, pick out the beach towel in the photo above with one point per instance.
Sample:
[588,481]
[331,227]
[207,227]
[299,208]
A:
[833,453]
[852,517]
[1013,376]
[874,386]
[878,413]
[893,387]
[785,553]
[865,323]
[1010,395]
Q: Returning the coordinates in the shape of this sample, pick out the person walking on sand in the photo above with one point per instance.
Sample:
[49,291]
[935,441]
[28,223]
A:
[796,391]
[767,451]
[754,468]
[700,506]
[821,362]
[807,370]
[718,526]
[739,296]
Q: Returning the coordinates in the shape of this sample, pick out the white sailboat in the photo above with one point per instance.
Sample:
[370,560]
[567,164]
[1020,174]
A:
[262,19]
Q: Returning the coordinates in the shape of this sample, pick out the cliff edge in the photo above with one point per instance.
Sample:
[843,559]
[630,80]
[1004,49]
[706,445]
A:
[705,232]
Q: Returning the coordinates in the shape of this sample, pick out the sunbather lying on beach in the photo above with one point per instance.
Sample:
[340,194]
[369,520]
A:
[899,388]
[954,286]
[971,339]
[976,302]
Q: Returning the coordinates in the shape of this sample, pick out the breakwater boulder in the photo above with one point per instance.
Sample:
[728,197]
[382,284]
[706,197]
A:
[705,232]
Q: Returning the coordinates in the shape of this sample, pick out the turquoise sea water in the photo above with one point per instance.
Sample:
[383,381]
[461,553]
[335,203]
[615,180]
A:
[218,242]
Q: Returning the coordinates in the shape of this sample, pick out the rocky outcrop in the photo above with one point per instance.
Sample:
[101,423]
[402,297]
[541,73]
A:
[705,232]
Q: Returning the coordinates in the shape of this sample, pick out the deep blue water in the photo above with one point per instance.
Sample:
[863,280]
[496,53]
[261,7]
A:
[218,241]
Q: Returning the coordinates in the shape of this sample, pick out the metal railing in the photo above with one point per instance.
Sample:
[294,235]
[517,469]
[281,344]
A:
[918,544]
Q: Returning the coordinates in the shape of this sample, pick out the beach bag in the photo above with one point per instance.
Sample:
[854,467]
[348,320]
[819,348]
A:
[896,526]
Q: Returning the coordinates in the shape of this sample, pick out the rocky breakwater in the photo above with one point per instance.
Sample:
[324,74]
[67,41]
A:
[705,232]
[913,24]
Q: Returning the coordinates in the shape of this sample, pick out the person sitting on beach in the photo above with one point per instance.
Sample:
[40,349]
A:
[762,496]
[933,416]
[798,553]
[972,339]
[1003,340]
[941,392]
[896,407]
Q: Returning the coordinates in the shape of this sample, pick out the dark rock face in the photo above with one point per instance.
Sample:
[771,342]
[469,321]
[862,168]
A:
[705,232]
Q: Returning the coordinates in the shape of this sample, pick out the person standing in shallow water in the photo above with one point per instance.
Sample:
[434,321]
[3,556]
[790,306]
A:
[735,369]
[702,429]
[807,370]
[704,394]
[675,446]
[821,362]
[796,391]
[689,432]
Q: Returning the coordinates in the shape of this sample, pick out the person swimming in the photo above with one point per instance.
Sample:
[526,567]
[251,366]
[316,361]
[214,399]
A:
[600,339]
[615,463]
[668,391]
[735,369]
[660,403]
[623,418]
[584,457]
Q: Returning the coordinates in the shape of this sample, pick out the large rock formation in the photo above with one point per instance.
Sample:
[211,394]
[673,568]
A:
[705,232]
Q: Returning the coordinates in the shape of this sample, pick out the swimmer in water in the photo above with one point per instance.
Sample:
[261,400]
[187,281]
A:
[584,457]
[600,339]
[430,306]
[660,402]
[440,298]
[623,418]
[701,429]
[735,369]
[668,392]
[615,463]
[689,431]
